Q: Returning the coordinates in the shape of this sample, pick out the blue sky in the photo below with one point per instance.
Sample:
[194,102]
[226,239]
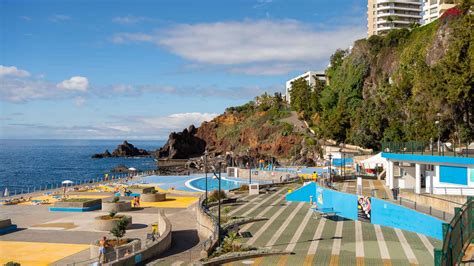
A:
[141,69]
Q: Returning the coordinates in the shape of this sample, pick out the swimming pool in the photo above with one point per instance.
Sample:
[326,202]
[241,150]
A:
[192,183]
[199,184]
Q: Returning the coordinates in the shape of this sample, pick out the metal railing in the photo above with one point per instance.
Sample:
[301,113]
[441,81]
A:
[462,191]
[457,235]
[429,148]
[445,216]
[50,187]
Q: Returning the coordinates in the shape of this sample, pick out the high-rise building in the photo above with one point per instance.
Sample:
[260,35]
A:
[433,9]
[385,15]
[309,76]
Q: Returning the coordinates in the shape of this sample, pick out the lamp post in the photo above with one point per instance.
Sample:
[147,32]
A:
[218,177]
[343,165]
[205,171]
[438,122]
[330,168]
[250,166]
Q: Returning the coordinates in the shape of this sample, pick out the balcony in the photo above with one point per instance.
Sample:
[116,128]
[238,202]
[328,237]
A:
[414,9]
[417,16]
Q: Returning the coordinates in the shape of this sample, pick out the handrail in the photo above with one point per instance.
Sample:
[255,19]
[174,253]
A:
[458,235]
[469,189]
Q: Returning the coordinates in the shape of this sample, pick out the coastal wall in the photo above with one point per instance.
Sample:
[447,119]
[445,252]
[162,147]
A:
[382,212]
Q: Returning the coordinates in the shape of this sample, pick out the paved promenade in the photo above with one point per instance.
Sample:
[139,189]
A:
[293,227]
[59,238]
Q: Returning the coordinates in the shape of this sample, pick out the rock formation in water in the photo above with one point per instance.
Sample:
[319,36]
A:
[123,150]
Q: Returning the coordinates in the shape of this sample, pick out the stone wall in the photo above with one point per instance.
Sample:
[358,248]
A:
[85,204]
[5,223]
[151,248]
[207,227]
[440,202]
[116,206]
[274,176]
[107,224]
[153,197]
[142,190]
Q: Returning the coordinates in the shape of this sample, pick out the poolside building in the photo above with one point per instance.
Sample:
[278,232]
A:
[441,175]
[309,76]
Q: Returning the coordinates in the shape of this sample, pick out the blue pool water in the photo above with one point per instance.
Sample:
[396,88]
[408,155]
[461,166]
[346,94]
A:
[192,183]
[167,182]
[213,184]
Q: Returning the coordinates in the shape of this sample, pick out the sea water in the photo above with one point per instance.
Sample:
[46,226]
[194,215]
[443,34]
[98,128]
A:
[28,164]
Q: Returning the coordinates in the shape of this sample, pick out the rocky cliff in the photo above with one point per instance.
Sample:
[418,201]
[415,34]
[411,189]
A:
[255,130]
[183,145]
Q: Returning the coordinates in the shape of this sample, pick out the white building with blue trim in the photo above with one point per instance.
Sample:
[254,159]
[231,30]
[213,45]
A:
[442,175]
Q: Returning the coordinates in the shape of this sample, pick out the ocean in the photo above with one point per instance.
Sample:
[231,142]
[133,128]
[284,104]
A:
[28,164]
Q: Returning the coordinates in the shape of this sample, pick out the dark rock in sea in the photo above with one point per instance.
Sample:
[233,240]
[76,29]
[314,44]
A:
[183,145]
[106,154]
[123,150]
[128,150]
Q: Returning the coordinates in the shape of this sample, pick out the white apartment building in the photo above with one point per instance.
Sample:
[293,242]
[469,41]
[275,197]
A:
[385,15]
[309,76]
[433,9]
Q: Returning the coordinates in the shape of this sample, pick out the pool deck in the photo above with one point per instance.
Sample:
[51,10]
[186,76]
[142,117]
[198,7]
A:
[58,238]
[313,240]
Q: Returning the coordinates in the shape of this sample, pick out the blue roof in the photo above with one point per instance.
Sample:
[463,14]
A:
[429,158]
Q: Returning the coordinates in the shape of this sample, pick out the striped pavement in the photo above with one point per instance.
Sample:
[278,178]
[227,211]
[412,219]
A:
[292,227]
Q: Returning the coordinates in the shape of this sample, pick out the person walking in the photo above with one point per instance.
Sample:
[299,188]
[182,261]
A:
[102,245]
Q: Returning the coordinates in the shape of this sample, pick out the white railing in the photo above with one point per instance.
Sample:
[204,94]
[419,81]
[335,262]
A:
[458,191]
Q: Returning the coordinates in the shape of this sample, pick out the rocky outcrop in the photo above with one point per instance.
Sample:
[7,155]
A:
[123,150]
[106,154]
[183,145]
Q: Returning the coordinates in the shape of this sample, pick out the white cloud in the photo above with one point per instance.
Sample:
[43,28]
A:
[268,69]
[13,71]
[176,121]
[129,20]
[76,83]
[131,37]
[25,18]
[59,17]
[24,89]
[144,127]
[263,42]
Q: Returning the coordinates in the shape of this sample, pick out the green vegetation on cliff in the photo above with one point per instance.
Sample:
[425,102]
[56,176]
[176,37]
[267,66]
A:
[394,87]
[258,125]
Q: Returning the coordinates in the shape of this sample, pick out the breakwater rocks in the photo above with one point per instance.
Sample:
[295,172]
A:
[123,150]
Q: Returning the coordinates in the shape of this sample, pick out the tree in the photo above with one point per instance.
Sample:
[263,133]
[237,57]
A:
[120,229]
[300,95]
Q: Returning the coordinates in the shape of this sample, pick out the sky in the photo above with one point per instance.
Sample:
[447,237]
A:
[142,69]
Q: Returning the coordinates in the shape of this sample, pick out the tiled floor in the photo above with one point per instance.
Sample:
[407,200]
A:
[320,241]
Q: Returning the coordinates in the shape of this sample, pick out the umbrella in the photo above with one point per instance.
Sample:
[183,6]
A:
[6,193]
[132,169]
[67,182]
